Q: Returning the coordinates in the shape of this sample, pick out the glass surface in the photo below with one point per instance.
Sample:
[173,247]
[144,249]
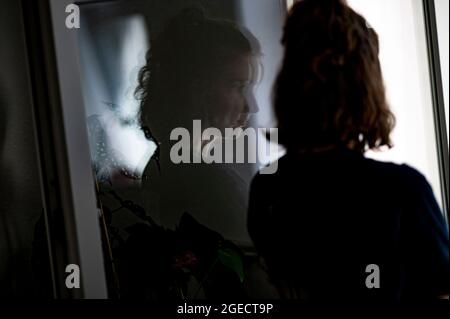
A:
[178,230]
[201,66]
[442,24]
[403,57]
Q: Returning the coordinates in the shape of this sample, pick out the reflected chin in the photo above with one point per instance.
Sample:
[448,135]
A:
[241,124]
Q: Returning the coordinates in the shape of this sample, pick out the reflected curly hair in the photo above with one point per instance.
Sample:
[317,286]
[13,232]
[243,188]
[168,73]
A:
[192,47]
[330,88]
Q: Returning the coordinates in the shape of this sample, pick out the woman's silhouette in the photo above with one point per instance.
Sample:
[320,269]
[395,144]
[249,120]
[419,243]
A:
[198,68]
[329,215]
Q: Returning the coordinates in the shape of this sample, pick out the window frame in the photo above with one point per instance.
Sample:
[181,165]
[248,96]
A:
[434,66]
[68,189]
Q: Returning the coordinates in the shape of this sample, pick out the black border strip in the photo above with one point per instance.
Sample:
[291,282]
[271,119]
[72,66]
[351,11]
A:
[438,99]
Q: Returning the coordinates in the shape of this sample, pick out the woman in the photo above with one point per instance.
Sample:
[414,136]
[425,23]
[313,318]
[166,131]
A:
[331,223]
[198,68]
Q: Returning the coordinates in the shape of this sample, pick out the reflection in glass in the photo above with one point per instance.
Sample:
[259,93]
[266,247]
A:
[175,231]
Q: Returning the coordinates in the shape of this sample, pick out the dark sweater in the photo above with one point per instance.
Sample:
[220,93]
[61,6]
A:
[321,219]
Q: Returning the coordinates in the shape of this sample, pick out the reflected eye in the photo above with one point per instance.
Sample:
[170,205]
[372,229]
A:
[239,86]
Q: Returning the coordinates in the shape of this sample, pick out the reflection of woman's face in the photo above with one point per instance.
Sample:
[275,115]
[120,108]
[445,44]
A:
[229,95]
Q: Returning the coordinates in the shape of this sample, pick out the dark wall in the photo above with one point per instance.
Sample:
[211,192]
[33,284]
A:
[20,197]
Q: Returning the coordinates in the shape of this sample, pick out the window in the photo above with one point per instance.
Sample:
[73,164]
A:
[403,55]
[118,150]
[442,25]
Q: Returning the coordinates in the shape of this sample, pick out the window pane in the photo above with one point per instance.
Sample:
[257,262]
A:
[442,9]
[160,216]
[403,56]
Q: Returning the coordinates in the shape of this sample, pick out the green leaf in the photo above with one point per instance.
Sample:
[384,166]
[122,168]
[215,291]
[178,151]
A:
[231,259]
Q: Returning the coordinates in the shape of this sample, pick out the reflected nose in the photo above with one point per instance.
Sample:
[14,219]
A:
[250,104]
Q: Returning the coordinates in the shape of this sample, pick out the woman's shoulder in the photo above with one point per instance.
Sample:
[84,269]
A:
[403,172]
[386,171]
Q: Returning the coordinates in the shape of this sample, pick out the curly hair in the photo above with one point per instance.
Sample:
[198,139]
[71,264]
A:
[191,48]
[330,88]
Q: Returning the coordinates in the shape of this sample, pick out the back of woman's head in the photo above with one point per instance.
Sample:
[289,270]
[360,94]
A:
[330,89]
